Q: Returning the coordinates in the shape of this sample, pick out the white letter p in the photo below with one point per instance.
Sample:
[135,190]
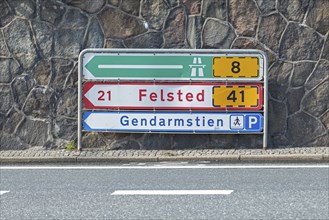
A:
[252,121]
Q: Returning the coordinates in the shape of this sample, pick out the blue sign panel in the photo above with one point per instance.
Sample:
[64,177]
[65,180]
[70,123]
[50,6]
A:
[180,122]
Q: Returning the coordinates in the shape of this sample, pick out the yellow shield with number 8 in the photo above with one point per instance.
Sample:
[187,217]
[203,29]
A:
[236,67]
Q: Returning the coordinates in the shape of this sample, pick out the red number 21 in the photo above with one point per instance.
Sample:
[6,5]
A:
[102,95]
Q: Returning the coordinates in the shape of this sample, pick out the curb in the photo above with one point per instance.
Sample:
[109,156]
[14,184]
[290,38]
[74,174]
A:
[285,158]
[298,158]
[8,160]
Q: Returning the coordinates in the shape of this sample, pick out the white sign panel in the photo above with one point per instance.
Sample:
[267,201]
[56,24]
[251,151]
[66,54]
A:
[149,95]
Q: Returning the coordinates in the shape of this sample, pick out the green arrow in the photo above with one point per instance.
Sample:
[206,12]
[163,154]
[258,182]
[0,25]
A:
[149,66]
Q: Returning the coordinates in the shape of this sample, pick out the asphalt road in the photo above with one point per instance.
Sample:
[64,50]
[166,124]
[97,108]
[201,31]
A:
[205,192]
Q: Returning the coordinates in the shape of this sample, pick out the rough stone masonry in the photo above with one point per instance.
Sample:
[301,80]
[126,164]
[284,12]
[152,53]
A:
[40,41]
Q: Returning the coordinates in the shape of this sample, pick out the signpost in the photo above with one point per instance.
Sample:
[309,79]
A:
[168,95]
[188,91]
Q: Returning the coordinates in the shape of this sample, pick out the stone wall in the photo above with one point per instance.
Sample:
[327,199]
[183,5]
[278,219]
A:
[40,41]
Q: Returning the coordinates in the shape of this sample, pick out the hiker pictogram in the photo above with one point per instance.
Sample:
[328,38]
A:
[237,121]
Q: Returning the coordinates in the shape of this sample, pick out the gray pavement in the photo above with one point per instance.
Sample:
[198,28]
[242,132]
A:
[98,192]
[94,155]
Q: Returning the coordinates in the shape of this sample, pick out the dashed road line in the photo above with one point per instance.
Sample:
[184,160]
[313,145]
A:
[3,192]
[172,192]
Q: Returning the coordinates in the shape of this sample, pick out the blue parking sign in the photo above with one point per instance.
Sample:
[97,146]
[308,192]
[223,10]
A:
[253,122]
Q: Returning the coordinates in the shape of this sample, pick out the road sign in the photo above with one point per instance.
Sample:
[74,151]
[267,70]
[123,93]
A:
[113,81]
[182,122]
[172,95]
[173,66]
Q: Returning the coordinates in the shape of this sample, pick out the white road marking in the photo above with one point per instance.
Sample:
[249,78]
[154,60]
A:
[172,192]
[197,166]
[3,192]
[140,66]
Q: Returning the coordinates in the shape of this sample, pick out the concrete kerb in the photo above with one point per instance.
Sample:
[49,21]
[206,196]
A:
[80,160]
[300,158]
[214,159]
[116,159]
[284,158]
[38,160]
